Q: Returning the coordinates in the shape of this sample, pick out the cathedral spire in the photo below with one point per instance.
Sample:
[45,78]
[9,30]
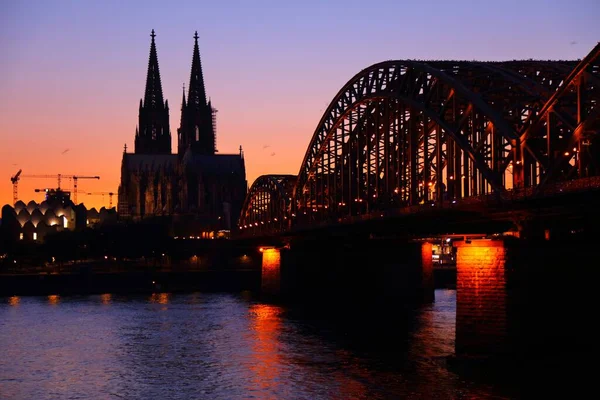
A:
[197,131]
[182,117]
[197,93]
[153,98]
[154,135]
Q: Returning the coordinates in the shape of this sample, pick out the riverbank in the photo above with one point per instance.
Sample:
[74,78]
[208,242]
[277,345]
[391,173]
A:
[130,282]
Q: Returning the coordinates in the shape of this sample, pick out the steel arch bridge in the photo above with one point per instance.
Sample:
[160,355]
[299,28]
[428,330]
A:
[403,133]
[267,204]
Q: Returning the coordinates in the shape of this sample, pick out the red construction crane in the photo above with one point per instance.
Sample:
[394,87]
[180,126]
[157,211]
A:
[15,181]
[110,196]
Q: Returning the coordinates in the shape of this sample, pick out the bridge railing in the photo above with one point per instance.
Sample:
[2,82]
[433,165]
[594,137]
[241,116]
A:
[492,199]
[312,220]
[548,190]
[575,185]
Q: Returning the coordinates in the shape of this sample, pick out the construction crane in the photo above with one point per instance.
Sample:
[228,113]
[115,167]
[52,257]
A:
[75,178]
[15,181]
[110,196]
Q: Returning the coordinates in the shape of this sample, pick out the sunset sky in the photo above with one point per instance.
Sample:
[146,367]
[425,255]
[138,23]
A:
[72,72]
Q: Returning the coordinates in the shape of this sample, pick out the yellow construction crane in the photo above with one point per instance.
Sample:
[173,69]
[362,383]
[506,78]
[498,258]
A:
[17,177]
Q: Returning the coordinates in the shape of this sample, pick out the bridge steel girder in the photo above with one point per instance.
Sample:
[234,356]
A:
[583,81]
[266,207]
[400,131]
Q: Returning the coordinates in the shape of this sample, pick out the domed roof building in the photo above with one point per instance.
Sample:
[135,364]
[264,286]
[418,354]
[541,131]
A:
[19,205]
[44,207]
[32,205]
[36,216]
[23,216]
[32,222]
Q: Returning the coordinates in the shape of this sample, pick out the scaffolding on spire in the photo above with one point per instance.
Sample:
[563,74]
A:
[214,112]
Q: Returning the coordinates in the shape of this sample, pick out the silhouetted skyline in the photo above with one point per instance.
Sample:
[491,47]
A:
[196,180]
[72,73]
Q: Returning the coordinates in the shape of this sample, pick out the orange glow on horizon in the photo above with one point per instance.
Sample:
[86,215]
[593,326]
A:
[54,299]
[93,152]
[107,164]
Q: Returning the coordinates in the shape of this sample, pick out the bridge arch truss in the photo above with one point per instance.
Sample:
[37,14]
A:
[267,205]
[403,133]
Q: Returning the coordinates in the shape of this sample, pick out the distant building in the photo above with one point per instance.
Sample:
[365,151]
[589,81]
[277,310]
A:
[202,191]
[31,222]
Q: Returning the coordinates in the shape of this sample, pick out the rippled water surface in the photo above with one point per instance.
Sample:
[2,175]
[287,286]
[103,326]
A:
[227,346]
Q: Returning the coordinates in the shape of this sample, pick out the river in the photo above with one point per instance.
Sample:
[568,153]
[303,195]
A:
[232,346]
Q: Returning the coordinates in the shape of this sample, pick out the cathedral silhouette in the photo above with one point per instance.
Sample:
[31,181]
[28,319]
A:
[200,190]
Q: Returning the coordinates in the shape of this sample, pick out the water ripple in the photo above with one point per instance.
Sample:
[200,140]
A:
[223,346]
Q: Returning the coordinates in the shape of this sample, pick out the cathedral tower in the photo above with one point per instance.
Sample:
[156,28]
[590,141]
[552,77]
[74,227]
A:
[197,130]
[153,135]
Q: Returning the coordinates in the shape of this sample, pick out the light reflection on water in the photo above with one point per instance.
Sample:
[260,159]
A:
[160,298]
[53,299]
[106,298]
[221,346]
[14,300]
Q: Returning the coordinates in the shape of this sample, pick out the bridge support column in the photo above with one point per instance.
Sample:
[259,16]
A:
[271,272]
[481,298]
[534,297]
[427,283]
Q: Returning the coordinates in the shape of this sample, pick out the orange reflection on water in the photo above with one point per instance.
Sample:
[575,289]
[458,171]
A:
[53,299]
[160,298]
[266,326]
[14,300]
[106,298]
